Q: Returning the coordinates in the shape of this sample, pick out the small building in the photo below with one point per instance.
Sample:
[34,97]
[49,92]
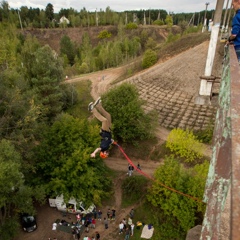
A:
[64,20]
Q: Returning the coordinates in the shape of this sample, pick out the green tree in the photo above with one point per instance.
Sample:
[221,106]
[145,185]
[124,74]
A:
[104,34]
[151,44]
[131,26]
[15,196]
[185,144]
[4,11]
[129,120]
[177,213]
[169,21]
[149,58]
[47,74]
[158,22]
[64,162]
[49,11]
[68,48]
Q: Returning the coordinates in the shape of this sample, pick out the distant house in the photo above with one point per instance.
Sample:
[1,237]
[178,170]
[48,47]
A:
[64,20]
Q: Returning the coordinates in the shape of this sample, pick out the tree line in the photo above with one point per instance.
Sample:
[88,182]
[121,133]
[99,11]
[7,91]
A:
[47,18]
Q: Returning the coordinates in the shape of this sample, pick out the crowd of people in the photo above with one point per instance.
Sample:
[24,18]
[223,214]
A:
[89,222]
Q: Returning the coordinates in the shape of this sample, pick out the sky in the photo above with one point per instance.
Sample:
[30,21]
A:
[176,6]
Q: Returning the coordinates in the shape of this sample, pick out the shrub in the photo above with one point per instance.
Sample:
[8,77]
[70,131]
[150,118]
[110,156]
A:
[104,34]
[172,38]
[185,144]
[158,22]
[131,25]
[149,58]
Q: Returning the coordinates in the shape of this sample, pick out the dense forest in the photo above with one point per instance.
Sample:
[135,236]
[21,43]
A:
[45,145]
[39,18]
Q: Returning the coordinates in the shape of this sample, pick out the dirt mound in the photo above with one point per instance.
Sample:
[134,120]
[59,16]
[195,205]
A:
[52,37]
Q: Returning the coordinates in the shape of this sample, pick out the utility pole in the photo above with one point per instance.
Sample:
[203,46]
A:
[149,18]
[206,84]
[205,19]
[198,19]
[224,20]
[96,18]
[228,19]
[20,20]
[158,18]
[192,19]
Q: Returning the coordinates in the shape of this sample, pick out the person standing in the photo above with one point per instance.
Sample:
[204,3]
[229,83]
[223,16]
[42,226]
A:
[139,166]
[78,234]
[74,233]
[132,228]
[124,224]
[93,223]
[108,214]
[121,225]
[131,213]
[127,234]
[129,221]
[235,33]
[130,170]
[105,221]
[99,215]
[95,213]
[113,214]
[78,217]
[83,220]
[97,236]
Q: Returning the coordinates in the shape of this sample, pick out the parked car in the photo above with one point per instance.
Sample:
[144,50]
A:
[29,222]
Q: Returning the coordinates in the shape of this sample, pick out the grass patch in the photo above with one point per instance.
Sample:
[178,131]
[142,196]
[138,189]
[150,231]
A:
[80,109]
[159,152]
[130,70]
[134,189]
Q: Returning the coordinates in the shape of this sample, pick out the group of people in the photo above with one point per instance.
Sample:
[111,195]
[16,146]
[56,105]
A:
[127,227]
[131,169]
[87,221]
[90,222]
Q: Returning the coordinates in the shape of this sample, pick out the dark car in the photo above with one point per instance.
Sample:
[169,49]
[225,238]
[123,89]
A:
[29,223]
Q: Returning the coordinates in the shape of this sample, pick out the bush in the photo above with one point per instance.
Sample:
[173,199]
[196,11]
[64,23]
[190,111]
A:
[185,144]
[205,135]
[158,22]
[149,58]
[131,26]
[104,34]
[172,38]
[192,29]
